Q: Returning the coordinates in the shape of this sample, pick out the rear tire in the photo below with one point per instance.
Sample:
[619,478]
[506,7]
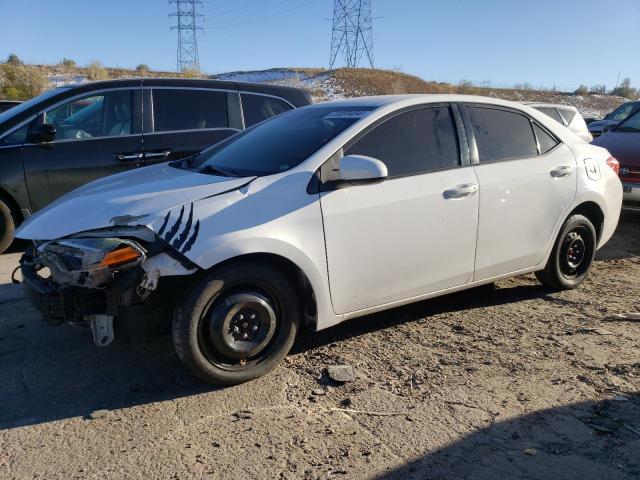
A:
[572,255]
[7,226]
[237,324]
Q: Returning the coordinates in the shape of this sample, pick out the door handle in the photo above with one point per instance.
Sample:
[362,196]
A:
[461,191]
[164,154]
[128,157]
[562,171]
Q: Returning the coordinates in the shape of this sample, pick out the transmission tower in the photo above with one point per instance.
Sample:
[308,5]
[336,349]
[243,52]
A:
[352,32]
[187,25]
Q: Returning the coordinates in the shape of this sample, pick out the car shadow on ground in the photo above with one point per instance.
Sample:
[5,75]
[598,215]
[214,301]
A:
[50,373]
[582,441]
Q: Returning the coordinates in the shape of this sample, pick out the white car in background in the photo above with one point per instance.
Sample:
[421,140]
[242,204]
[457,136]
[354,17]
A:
[565,115]
[320,215]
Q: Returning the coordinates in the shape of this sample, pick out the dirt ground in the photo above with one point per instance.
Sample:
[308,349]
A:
[508,381]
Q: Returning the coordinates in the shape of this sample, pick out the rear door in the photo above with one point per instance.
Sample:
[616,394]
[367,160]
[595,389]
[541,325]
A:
[527,181]
[97,134]
[413,233]
[182,121]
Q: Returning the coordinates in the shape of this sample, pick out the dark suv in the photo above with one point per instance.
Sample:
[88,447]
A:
[72,135]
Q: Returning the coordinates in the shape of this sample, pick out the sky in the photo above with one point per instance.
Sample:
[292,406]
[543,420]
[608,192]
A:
[561,43]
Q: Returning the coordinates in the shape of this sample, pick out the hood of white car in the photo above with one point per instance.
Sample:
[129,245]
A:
[135,197]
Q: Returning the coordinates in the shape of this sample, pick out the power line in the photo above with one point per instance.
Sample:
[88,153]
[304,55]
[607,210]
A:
[187,25]
[351,32]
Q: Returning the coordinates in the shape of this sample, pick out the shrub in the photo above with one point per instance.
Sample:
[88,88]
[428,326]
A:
[143,68]
[95,71]
[13,59]
[18,82]
[191,73]
[598,89]
[582,90]
[625,90]
[67,62]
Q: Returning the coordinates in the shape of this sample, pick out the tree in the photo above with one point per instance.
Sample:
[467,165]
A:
[599,89]
[582,90]
[143,68]
[95,71]
[19,82]
[625,89]
[67,62]
[13,59]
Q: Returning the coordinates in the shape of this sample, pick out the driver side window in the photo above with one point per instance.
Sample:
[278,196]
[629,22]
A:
[105,115]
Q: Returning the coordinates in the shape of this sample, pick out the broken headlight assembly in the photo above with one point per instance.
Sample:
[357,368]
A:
[89,262]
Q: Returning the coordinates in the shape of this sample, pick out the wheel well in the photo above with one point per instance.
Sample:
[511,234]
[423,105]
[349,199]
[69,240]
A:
[289,268]
[594,213]
[13,205]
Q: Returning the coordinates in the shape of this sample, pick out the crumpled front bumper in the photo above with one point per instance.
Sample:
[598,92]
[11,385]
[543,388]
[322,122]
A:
[65,304]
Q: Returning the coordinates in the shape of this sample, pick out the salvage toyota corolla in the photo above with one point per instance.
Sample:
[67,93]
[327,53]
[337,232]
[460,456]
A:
[326,213]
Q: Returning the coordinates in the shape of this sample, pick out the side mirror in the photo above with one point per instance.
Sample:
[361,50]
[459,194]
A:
[42,133]
[362,169]
[607,129]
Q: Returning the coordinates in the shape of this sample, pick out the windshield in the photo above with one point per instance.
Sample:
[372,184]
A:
[280,143]
[30,103]
[620,113]
[631,124]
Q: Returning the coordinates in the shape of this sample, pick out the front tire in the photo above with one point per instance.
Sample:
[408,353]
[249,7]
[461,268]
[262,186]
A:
[239,322]
[572,255]
[7,226]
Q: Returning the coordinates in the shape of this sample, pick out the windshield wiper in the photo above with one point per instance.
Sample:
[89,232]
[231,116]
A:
[210,169]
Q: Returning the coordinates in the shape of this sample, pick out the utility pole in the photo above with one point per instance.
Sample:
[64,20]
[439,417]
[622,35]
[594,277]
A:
[352,32]
[187,25]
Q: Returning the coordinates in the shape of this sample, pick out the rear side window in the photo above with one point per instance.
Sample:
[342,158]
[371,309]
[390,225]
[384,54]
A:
[412,142]
[257,108]
[501,135]
[567,114]
[183,109]
[551,112]
[546,141]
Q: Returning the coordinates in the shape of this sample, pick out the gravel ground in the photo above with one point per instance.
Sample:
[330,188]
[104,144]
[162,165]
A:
[508,381]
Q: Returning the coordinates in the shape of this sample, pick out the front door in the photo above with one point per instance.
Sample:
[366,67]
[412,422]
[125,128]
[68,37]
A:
[527,181]
[413,233]
[97,135]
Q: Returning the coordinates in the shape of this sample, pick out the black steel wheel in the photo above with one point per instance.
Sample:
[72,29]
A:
[572,255]
[237,324]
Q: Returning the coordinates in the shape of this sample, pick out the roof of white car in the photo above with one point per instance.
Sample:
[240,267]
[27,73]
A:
[384,100]
[551,105]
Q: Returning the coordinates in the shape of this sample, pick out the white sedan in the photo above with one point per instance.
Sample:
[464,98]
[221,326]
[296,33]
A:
[323,214]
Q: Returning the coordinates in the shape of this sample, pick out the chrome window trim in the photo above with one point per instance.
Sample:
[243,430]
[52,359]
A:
[61,102]
[151,87]
[191,130]
[244,124]
[67,140]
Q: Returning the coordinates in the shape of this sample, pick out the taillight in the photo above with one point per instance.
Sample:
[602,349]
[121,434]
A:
[614,164]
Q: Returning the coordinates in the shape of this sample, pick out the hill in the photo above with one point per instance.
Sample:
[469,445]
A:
[335,84]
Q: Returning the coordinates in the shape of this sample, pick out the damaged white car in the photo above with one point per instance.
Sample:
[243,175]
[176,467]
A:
[325,213]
